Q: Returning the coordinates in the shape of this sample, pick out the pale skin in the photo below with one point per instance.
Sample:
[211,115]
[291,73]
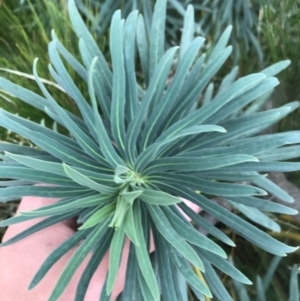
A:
[20,261]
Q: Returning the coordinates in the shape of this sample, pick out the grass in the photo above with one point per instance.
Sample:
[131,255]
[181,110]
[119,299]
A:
[281,33]
[24,35]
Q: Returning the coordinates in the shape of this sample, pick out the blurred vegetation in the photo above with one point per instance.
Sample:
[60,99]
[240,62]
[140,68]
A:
[25,32]
[281,40]
[24,35]
[254,262]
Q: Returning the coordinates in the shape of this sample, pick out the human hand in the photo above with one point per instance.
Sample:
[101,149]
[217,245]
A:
[20,261]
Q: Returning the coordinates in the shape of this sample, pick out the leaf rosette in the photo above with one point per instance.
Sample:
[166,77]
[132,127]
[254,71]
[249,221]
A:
[141,145]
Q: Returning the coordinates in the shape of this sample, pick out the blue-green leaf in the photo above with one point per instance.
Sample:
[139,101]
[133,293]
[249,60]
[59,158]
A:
[78,256]
[143,47]
[223,265]
[130,226]
[214,283]
[270,272]
[65,80]
[167,231]
[40,226]
[56,255]
[210,187]
[221,44]
[92,266]
[160,75]
[118,92]
[115,254]
[131,275]
[87,182]
[263,204]
[103,138]
[188,30]
[188,272]
[68,205]
[190,234]
[294,288]
[198,164]
[260,290]
[153,150]
[82,32]
[205,225]
[132,102]
[165,104]
[240,226]
[98,216]
[17,192]
[157,35]
[156,197]
[276,68]
[52,145]
[164,268]
[142,255]
[258,217]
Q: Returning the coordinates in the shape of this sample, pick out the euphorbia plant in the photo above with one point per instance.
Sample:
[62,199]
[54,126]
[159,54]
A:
[141,145]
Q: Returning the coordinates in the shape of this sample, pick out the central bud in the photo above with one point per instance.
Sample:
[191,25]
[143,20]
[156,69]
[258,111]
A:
[129,191]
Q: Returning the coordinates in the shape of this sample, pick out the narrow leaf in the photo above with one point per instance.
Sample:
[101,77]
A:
[103,138]
[198,164]
[56,255]
[97,217]
[189,233]
[294,288]
[214,283]
[131,106]
[78,256]
[118,92]
[188,273]
[115,254]
[40,226]
[240,226]
[87,182]
[157,35]
[92,266]
[160,75]
[130,226]
[69,204]
[205,226]
[143,259]
[164,268]
[131,275]
[167,231]
[223,265]
[156,197]
[15,192]
[188,30]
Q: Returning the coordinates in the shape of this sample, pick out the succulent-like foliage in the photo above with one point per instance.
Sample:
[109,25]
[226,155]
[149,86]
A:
[142,145]
[211,18]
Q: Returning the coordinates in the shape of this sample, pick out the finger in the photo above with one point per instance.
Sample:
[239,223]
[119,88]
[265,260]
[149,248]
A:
[31,203]
[20,262]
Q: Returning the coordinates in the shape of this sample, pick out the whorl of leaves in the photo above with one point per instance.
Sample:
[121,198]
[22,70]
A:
[141,145]
[211,18]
